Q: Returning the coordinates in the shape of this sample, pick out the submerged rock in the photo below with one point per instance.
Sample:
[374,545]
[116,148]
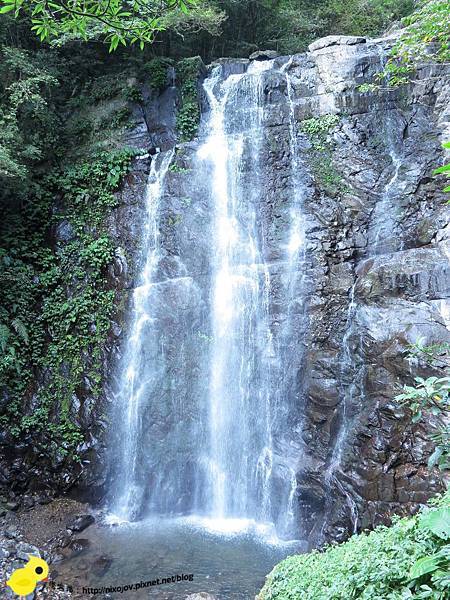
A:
[80,523]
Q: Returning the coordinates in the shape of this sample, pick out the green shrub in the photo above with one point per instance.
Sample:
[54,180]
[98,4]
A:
[319,126]
[133,94]
[55,305]
[409,559]
[119,117]
[321,153]
[155,71]
[188,115]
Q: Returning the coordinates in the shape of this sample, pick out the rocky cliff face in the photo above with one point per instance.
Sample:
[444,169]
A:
[374,272]
[377,276]
[379,281]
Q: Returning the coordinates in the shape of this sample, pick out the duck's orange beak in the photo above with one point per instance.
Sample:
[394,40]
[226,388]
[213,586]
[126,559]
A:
[44,580]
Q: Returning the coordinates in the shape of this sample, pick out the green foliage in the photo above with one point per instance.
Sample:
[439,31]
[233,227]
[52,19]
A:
[27,123]
[120,117]
[405,560]
[117,21]
[432,396]
[317,128]
[284,25]
[321,154]
[55,304]
[156,71]
[367,87]
[427,34]
[424,39]
[438,522]
[188,115]
[444,170]
[133,94]
[174,168]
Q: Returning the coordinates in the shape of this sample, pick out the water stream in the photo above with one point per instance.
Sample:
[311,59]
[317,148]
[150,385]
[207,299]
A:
[137,381]
[221,457]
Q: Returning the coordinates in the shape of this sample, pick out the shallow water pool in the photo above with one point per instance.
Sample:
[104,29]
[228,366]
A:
[227,559]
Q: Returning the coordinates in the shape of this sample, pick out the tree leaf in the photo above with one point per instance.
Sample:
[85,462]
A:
[443,169]
[437,521]
[424,565]
[432,461]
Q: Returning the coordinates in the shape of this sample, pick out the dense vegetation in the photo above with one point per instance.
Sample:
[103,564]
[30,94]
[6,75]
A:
[61,119]
[410,559]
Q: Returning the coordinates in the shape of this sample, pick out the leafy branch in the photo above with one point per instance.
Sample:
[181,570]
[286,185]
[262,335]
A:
[121,21]
[431,396]
[444,170]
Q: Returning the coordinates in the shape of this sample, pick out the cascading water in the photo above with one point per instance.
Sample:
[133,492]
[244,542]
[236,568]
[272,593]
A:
[138,381]
[382,239]
[351,384]
[228,463]
[382,236]
[240,449]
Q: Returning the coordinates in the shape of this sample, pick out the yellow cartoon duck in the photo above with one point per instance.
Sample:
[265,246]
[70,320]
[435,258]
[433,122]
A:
[24,581]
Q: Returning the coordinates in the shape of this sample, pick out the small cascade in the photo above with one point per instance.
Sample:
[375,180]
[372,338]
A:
[138,378]
[351,386]
[382,234]
[382,238]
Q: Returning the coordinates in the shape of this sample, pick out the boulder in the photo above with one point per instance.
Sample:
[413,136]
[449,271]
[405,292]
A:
[80,523]
[264,55]
[336,40]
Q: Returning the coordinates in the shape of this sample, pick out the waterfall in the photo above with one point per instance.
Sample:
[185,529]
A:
[239,456]
[351,383]
[382,234]
[205,398]
[137,379]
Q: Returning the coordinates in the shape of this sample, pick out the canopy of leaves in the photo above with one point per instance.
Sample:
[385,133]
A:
[28,122]
[120,21]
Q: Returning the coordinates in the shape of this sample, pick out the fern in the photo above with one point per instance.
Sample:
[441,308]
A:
[20,329]
[4,336]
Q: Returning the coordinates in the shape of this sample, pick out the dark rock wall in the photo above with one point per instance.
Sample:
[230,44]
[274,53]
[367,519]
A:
[400,285]
[356,458]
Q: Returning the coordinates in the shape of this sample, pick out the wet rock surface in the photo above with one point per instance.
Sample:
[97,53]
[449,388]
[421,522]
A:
[38,531]
[376,275]
[80,523]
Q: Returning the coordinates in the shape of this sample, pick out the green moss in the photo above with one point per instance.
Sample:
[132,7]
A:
[188,115]
[55,304]
[373,566]
[318,130]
